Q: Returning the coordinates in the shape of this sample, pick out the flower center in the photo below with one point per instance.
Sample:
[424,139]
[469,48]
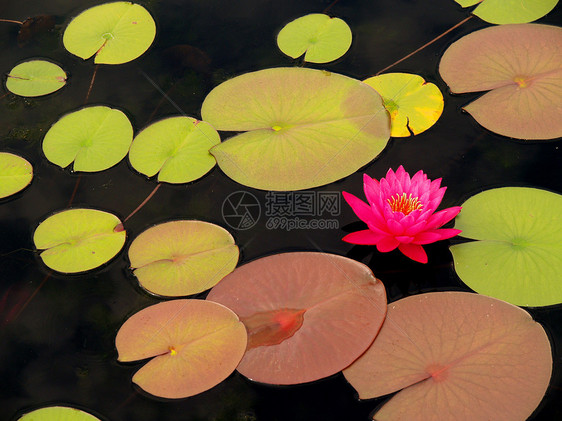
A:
[403,203]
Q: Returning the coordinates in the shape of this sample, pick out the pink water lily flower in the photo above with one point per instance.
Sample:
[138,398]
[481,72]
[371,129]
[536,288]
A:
[401,214]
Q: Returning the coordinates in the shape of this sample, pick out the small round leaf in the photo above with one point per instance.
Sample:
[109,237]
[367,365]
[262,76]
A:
[177,148]
[509,11]
[35,78]
[57,413]
[77,240]
[319,37]
[15,174]
[115,32]
[94,138]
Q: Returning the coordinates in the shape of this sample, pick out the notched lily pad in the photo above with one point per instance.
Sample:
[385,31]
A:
[196,344]
[304,127]
[35,78]
[308,315]
[509,11]
[94,138]
[521,65]
[77,240]
[58,413]
[15,174]
[182,257]
[455,356]
[114,32]
[177,148]
[414,105]
[319,37]
[518,255]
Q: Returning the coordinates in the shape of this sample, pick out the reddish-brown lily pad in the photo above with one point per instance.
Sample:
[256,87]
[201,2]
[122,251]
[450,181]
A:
[196,345]
[308,315]
[455,355]
[522,66]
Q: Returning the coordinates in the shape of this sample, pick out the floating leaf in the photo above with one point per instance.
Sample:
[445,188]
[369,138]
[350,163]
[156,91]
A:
[305,127]
[509,11]
[413,104]
[94,138]
[57,413]
[308,315]
[456,356]
[35,78]
[522,65]
[196,345]
[15,174]
[115,32]
[519,257]
[177,148]
[77,240]
[319,37]
[182,257]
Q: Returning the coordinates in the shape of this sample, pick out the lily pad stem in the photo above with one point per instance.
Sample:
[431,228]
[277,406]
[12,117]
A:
[425,45]
[91,83]
[119,227]
[11,21]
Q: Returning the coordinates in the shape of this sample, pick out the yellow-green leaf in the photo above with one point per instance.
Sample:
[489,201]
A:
[15,174]
[35,78]
[509,11]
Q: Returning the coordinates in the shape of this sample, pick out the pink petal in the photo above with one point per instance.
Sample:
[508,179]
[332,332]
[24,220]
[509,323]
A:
[372,188]
[367,237]
[414,252]
[416,228]
[432,236]
[442,217]
[395,227]
[387,244]
[404,239]
[361,209]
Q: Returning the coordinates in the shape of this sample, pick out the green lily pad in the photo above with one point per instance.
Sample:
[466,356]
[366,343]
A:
[35,78]
[319,37]
[413,104]
[519,256]
[509,11]
[305,127]
[57,413]
[114,32]
[177,148]
[15,174]
[94,138]
[182,257]
[77,240]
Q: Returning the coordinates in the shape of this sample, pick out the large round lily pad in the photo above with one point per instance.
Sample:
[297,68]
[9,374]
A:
[455,356]
[518,257]
[114,32]
[15,174]
[509,11]
[35,78]
[196,344]
[94,138]
[522,66]
[182,257]
[177,148]
[308,315]
[77,240]
[319,37]
[304,127]
[57,413]
[414,105]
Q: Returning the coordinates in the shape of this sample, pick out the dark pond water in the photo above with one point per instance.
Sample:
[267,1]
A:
[60,348]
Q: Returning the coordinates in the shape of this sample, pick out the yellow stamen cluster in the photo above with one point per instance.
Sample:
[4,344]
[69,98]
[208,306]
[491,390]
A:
[403,203]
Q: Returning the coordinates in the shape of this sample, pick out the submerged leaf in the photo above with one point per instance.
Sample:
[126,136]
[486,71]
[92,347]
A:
[509,11]
[196,345]
[57,413]
[319,37]
[182,257]
[304,127]
[77,240]
[413,104]
[15,174]
[519,256]
[35,78]
[308,315]
[177,148]
[114,32]
[94,138]
[456,356]
[522,66]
